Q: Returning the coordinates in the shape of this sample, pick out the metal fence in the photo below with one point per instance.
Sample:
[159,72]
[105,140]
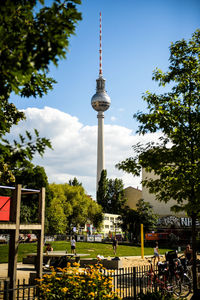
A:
[127,282]
[23,291]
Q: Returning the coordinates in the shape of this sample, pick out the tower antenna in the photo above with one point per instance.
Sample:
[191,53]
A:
[100,50]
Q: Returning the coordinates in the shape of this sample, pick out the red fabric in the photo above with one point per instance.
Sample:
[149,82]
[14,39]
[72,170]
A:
[4,208]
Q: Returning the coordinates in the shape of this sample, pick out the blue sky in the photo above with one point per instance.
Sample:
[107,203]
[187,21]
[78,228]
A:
[136,36]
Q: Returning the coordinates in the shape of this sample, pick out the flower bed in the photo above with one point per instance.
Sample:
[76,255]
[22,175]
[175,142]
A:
[75,283]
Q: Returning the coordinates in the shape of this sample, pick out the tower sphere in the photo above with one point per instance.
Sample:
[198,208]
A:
[100,101]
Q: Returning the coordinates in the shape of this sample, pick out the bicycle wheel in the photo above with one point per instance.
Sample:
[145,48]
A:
[147,281]
[176,285]
[165,287]
[185,286]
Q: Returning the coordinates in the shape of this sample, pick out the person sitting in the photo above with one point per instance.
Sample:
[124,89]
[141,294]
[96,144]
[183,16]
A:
[188,253]
[48,248]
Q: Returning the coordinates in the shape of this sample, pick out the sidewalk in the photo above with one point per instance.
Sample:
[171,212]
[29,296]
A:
[23,271]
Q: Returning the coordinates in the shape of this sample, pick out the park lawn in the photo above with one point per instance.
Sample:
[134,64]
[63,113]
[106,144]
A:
[92,249]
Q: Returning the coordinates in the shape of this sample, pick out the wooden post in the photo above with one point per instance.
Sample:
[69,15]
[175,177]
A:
[142,241]
[14,239]
[40,242]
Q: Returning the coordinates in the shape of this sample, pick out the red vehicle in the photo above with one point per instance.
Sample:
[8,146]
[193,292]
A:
[156,236]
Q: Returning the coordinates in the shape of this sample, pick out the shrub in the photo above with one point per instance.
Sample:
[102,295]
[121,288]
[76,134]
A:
[75,283]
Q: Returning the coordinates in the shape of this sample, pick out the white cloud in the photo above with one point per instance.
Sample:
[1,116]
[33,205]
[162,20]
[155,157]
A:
[75,147]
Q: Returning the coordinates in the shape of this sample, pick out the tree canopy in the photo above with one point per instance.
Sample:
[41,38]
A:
[30,39]
[74,207]
[176,115]
[110,194]
[75,182]
[144,214]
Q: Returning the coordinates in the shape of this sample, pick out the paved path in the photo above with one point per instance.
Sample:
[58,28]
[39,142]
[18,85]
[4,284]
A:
[23,271]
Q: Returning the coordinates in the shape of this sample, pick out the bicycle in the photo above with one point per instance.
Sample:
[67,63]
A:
[154,280]
[178,277]
[169,278]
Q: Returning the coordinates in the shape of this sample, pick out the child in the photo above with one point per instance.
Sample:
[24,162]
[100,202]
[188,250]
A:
[156,253]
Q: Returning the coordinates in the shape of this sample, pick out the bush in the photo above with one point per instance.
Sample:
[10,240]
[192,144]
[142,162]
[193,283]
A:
[75,283]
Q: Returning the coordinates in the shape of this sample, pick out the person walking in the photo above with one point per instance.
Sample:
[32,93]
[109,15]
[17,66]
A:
[156,253]
[188,254]
[73,245]
[115,243]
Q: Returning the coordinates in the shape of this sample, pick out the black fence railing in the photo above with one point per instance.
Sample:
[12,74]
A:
[127,282]
[23,291]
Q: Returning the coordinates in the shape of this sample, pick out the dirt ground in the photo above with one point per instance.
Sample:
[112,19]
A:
[23,270]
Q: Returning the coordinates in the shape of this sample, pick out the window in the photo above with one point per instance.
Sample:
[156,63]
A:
[106,218]
[107,226]
[112,219]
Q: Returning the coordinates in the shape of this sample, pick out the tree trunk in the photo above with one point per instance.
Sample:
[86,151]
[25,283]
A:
[194,249]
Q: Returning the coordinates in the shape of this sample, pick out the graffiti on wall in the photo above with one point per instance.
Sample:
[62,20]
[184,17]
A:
[169,221]
[173,221]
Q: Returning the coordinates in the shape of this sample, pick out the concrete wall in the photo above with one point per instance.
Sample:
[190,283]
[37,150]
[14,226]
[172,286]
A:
[160,208]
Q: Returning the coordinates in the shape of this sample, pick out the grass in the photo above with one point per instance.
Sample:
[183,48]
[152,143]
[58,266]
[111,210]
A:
[92,249]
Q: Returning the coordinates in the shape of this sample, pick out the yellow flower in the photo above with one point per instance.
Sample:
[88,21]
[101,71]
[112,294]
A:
[58,278]
[64,290]
[91,294]
[47,290]
[37,279]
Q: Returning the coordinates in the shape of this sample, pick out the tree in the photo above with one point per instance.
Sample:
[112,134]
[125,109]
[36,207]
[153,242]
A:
[115,195]
[102,191]
[176,114]
[131,219]
[110,194]
[75,182]
[77,207]
[57,217]
[30,39]
[33,177]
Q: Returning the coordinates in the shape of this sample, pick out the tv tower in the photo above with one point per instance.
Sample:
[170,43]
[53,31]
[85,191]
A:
[100,102]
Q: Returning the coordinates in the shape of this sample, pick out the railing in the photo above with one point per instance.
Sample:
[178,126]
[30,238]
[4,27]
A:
[23,291]
[127,281]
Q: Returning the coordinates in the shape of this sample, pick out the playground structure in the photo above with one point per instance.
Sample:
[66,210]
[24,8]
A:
[13,226]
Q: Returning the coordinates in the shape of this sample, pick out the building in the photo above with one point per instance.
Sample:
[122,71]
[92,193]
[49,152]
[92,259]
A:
[111,224]
[160,208]
[176,225]
[132,195]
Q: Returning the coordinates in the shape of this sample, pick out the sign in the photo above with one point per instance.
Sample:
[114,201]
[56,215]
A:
[4,208]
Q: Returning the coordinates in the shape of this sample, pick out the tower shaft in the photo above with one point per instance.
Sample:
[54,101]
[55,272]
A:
[100,146]
[100,102]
